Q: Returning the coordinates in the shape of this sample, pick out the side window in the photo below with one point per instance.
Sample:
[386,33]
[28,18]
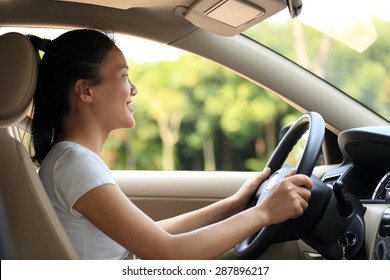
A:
[192,114]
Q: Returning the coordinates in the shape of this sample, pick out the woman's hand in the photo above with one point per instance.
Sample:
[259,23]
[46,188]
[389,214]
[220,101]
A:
[287,199]
[242,196]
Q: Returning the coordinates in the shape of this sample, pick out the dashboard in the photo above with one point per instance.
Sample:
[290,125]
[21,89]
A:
[365,170]
[365,173]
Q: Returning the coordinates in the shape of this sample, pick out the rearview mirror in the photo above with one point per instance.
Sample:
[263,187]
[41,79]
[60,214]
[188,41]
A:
[295,7]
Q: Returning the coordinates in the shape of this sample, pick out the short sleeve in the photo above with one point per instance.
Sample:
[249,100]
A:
[76,172]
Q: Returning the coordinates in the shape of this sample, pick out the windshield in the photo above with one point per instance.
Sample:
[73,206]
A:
[346,43]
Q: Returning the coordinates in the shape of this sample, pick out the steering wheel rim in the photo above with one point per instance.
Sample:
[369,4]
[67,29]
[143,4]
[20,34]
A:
[255,245]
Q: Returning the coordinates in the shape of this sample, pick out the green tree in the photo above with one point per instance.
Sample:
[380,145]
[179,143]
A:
[159,90]
[193,114]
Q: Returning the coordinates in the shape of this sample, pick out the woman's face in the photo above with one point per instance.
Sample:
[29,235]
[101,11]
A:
[113,96]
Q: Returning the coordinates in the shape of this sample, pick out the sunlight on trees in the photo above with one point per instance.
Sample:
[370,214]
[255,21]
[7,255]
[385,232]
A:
[192,114]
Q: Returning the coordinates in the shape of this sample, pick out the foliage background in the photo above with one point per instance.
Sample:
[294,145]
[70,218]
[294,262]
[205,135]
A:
[194,115]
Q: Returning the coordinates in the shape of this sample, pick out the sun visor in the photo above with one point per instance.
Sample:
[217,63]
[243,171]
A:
[231,17]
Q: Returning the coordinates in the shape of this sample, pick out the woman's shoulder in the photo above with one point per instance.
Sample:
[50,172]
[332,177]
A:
[72,149]
[71,161]
[67,153]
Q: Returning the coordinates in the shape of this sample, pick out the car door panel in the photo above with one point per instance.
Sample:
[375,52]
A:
[163,194]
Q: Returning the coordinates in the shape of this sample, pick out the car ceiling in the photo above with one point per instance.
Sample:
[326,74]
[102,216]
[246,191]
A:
[164,21]
[136,19]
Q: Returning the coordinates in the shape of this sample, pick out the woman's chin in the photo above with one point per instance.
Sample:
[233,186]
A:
[131,123]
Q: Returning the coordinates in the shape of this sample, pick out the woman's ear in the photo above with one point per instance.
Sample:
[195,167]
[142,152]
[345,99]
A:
[83,90]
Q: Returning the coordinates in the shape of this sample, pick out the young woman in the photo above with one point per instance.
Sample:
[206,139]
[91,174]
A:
[83,93]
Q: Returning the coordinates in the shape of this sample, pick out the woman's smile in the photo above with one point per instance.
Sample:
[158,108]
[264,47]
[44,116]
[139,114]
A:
[129,106]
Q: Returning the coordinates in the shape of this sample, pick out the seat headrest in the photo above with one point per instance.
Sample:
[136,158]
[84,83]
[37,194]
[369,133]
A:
[18,77]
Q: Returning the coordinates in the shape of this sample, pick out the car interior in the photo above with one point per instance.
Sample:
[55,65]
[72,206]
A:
[349,214]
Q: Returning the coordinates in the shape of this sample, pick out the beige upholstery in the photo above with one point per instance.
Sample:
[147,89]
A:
[18,77]
[34,227]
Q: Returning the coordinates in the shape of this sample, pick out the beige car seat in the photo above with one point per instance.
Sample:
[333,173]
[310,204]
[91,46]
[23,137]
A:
[34,228]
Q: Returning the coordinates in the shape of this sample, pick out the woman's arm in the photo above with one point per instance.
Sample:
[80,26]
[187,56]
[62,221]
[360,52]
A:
[115,215]
[217,211]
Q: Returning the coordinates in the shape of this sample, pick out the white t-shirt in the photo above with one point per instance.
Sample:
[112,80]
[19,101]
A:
[69,171]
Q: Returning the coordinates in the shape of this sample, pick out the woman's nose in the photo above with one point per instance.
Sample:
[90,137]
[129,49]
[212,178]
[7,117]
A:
[133,89]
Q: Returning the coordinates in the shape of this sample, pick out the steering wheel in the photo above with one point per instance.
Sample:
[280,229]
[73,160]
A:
[292,229]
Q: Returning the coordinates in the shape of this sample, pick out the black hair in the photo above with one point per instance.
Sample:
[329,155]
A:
[77,54]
